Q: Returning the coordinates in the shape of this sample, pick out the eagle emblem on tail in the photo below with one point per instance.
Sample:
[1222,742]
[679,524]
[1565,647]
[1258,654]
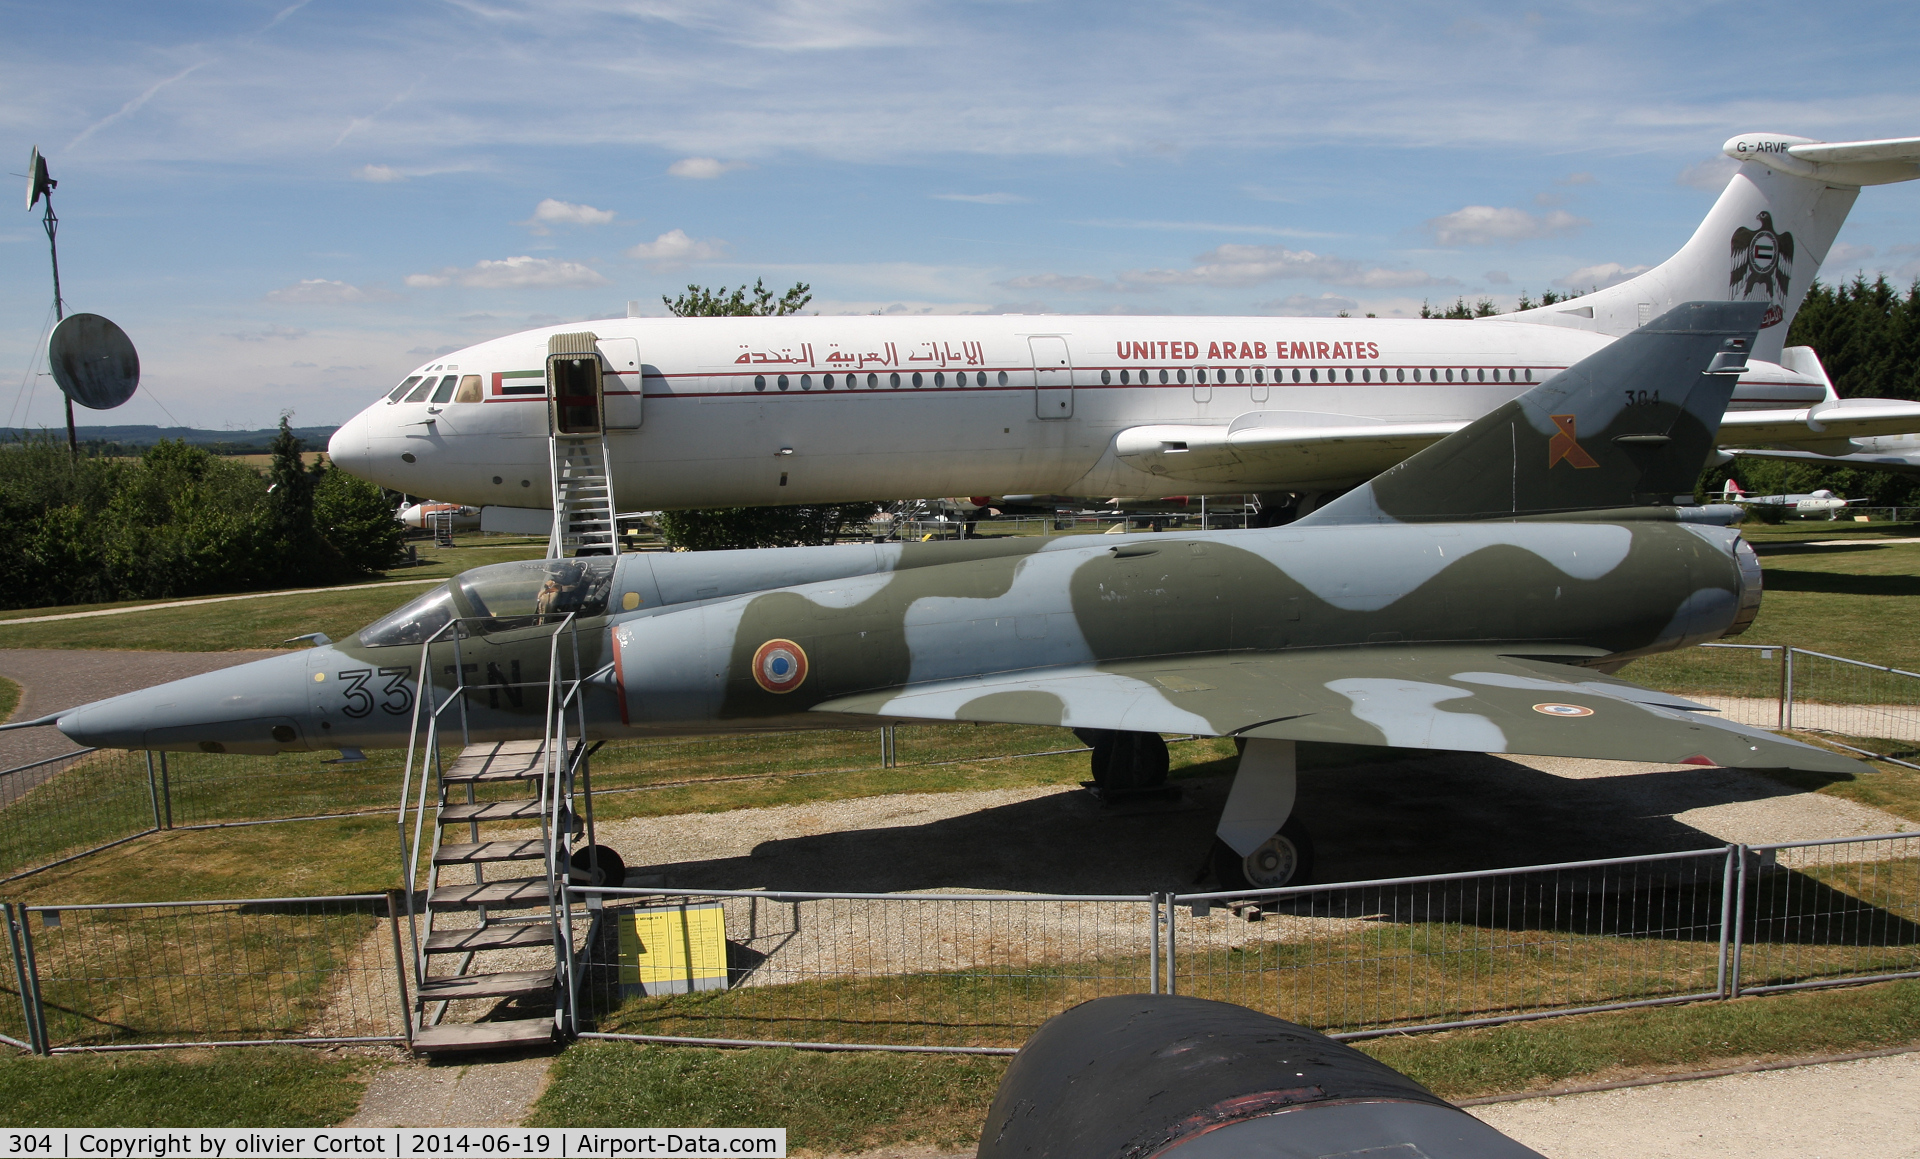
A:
[1762,260]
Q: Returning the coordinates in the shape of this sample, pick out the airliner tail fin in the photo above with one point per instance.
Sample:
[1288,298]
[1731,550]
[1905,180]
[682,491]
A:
[1762,242]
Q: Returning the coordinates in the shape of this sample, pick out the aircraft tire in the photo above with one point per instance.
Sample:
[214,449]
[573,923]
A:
[1267,866]
[1139,761]
[613,867]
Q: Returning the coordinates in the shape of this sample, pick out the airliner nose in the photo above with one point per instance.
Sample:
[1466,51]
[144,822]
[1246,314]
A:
[260,707]
[348,448]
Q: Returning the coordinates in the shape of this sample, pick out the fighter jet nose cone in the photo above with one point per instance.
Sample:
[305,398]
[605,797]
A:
[260,707]
[348,447]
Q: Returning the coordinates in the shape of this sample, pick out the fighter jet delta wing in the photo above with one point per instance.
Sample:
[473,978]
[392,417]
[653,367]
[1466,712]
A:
[1623,432]
[1468,699]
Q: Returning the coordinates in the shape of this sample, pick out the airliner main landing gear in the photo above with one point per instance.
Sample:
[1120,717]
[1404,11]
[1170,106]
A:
[1260,845]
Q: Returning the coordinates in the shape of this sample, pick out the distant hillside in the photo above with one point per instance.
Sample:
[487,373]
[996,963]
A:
[220,442]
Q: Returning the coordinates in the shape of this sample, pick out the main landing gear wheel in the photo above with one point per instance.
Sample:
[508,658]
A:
[612,868]
[1286,858]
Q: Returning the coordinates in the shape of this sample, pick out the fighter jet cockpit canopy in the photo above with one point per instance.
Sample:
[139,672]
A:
[500,597]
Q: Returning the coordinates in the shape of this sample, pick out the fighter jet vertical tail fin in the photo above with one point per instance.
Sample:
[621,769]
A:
[1628,426]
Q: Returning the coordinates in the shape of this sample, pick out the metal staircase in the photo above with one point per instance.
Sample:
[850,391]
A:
[583,515]
[583,511]
[491,922]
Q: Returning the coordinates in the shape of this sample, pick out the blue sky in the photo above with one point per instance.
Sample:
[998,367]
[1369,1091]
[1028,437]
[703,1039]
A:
[289,205]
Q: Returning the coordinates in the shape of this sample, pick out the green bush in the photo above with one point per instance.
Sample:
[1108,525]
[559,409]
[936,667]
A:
[179,521]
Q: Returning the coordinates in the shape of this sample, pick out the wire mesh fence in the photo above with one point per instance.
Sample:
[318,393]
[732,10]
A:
[1740,682]
[1869,708]
[105,976]
[1819,912]
[1377,957]
[978,972]
[940,971]
[57,809]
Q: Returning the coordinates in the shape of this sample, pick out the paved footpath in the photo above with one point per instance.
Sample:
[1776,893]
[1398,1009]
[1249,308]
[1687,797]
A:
[1866,1109]
[52,679]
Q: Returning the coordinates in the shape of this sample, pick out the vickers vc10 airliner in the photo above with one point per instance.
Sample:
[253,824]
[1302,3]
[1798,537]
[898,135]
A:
[707,412]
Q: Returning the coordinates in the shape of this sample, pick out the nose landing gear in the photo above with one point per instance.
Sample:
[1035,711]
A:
[1286,858]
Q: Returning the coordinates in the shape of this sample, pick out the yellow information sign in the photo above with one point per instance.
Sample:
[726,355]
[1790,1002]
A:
[672,949]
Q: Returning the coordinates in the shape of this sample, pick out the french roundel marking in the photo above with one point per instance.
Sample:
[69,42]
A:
[779,666]
[1566,710]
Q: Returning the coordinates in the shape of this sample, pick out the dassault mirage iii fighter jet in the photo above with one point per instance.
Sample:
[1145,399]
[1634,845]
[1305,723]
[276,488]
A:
[1476,597]
[721,412]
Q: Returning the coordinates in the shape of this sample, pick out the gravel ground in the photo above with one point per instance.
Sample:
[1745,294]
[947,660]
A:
[1869,1109]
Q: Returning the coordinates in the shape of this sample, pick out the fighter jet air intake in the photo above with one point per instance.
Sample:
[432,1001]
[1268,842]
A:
[1476,597]
[718,412]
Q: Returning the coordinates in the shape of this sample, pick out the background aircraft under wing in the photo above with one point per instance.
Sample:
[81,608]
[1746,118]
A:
[707,412]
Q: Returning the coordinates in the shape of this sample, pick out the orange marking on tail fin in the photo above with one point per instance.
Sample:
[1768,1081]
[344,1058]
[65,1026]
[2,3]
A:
[1565,444]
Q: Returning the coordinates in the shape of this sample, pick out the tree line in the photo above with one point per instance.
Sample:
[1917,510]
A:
[180,521]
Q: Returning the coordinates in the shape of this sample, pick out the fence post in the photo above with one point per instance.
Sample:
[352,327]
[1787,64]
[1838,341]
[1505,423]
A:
[394,902]
[30,985]
[1739,922]
[166,791]
[153,790]
[13,921]
[1727,871]
[1172,986]
[1786,694]
[1153,933]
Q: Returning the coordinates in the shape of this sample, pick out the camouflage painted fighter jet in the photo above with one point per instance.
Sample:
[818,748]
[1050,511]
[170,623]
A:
[1475,597]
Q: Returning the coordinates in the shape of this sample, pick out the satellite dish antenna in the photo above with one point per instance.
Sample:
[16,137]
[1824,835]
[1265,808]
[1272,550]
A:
[93,360]
[38,183]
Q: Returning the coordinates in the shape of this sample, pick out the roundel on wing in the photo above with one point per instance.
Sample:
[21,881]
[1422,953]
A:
[779,665]
[1563,710]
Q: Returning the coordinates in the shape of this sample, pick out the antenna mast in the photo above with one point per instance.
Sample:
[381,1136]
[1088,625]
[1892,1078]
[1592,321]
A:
[41,185]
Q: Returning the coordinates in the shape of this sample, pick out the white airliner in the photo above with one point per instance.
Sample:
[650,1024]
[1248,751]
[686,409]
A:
[709,412]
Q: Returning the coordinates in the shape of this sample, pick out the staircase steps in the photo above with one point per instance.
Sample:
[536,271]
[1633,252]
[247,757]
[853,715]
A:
[455,1037]
[471,852]
[497,936]
[511,984]
[513,893]
[517,810]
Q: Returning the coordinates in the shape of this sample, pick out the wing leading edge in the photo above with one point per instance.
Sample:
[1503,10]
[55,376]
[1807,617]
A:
[1470,699]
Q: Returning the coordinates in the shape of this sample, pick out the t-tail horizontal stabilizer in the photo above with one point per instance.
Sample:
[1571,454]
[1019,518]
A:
[1629,426]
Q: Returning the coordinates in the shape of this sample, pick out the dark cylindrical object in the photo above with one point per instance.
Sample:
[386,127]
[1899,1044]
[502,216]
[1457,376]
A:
[1157,1075]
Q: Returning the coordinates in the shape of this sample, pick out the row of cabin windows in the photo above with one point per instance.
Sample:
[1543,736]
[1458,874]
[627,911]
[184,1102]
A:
[874,381]
[1312,374]
[443,388]
[466,388]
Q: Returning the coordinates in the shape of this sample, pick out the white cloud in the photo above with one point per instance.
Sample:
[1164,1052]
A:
[675,248]
[1247,265]
[521,273]
[269,334]
[1497,278]
[1600,277]
[1581,178]
[1065,283]
[981,198]
[1210,227]
[378,174]
[322,292]
[1710,175]
[1486,225]
[553,211]
[702,168]
[1306,306]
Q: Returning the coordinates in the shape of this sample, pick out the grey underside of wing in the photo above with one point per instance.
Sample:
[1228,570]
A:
[1471,699]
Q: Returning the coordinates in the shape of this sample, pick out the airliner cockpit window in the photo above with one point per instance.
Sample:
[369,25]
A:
[400,391]
[420,392]
[445,393]
[536,592]
[413,623]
